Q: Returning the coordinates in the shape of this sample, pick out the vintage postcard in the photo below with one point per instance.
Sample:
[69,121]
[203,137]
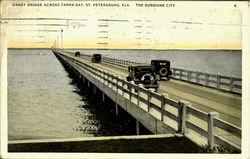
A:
[124,79]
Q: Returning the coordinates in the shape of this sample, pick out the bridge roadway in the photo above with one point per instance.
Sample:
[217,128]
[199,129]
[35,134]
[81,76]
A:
[206,99]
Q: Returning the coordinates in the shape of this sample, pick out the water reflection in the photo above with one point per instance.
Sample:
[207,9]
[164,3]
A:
[44,101]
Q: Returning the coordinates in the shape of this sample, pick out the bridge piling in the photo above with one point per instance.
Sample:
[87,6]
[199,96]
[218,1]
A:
[88,83]
[94,89]
[137,127]
[116,109]
[103,96]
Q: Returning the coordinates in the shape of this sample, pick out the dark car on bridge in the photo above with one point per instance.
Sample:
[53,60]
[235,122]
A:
[142,74]
[77,54]
[161,69]
[97,58]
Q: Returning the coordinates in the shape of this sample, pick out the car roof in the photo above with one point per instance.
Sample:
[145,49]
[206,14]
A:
[160,60]
[96,54]
[139,65]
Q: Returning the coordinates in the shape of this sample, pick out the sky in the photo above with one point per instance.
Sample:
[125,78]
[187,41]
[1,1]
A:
[122,25]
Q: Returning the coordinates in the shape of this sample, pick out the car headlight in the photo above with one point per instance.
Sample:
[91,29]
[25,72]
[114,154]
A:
[151,78]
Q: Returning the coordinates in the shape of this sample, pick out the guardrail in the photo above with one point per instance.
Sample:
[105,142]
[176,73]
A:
[123,63]
[181,116]
[219,82]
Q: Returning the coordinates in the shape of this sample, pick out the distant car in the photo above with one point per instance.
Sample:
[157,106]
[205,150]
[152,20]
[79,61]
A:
[77,54]
[142,74]
[96,58]
[161,69]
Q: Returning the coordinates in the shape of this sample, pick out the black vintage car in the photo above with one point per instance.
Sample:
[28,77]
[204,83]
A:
[97,58]
[77,54]
[161,69]
[142,74]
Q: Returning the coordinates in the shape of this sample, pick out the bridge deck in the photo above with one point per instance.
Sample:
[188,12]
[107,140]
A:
[206,99]
[202,98]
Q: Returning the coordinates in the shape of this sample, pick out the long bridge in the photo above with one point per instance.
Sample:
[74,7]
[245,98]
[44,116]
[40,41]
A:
[202,107]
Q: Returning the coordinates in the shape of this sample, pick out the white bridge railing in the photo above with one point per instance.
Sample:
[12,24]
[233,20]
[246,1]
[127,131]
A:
[181,116]
[220,82]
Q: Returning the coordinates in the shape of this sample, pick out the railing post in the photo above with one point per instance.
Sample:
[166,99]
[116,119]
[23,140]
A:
[163,97]
[105,77]
[198,77]
[218,82]
[116,83]
[149,98]
[101,76]
[231,84]
[138,94]
[188,75]
[111,81]
[206,79]
[122,87]
[211,128]
[180,104]
[174,72]
[180,74]
[130,89]
[182,116]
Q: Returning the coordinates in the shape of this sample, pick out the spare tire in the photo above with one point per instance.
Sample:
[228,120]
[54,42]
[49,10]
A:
[163,71]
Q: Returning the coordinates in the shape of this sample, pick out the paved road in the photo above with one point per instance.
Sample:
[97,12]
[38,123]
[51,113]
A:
[206,99]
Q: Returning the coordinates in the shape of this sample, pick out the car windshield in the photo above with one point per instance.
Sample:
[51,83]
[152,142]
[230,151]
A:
[143,68]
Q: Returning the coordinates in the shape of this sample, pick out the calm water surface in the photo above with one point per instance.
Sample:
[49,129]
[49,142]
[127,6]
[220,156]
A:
[43,102]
